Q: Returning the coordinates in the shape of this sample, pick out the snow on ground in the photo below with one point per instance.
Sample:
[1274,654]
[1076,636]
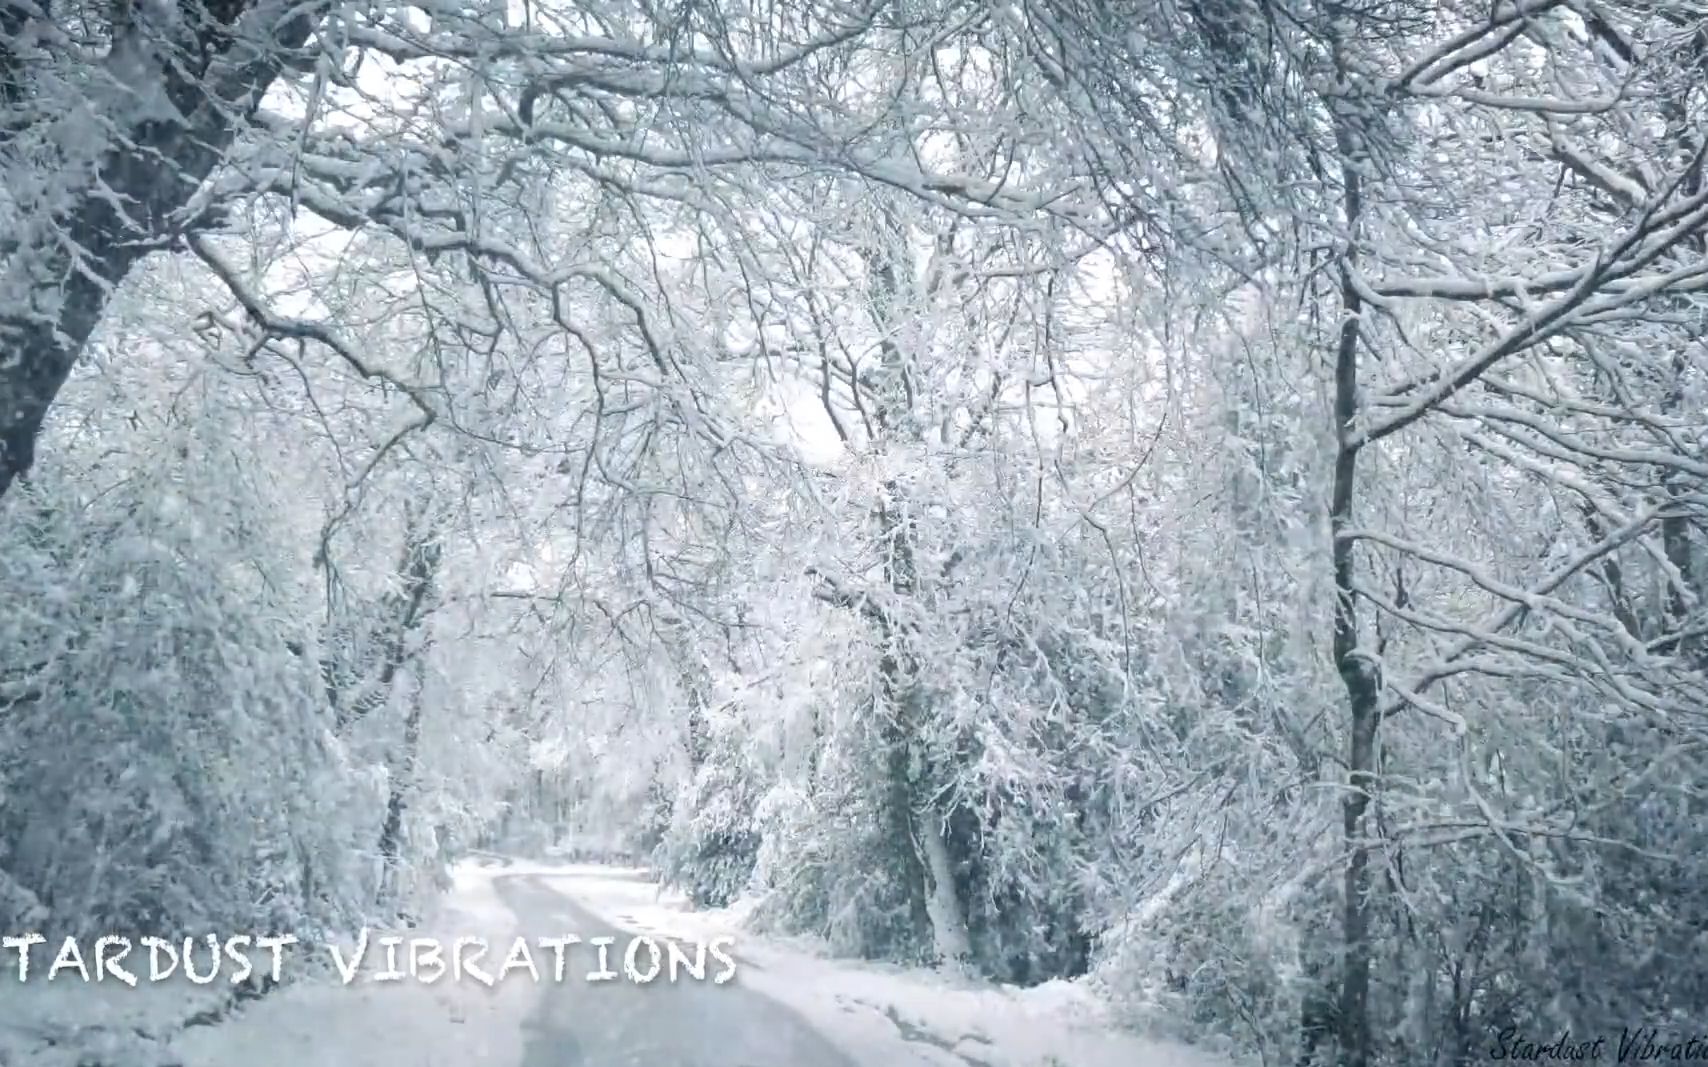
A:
[885,1016]
[377,1024]
[67,1023]
[315,1018]
[882,1016]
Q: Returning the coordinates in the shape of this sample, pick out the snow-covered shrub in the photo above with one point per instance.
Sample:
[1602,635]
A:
[832,864]
[709,848]
[1030,767]
[164,753]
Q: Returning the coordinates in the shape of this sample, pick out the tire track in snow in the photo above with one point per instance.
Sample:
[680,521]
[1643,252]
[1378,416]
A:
[622,1024]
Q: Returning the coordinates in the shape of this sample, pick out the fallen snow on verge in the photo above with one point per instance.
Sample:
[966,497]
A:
[369,1024]
[67,1023]
[885,1016]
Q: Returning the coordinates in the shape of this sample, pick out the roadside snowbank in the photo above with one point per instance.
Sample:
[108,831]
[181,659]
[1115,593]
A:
[67,1023]
[315,1018]
[885,1016]
[378,1024]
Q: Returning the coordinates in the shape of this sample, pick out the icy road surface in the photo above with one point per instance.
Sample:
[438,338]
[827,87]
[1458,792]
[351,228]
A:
[689,1023]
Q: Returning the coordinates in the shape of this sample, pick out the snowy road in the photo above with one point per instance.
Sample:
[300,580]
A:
[622,1024]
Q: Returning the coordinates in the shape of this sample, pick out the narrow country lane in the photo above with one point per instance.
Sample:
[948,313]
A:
[624,1024]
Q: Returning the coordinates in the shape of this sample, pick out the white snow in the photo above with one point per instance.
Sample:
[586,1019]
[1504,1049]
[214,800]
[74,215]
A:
[68,1022]
[370,1024]
[880,1015]
[883,1015]
[316,1019]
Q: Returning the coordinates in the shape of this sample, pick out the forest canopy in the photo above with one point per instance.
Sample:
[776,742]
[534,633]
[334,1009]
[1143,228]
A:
[1204,493]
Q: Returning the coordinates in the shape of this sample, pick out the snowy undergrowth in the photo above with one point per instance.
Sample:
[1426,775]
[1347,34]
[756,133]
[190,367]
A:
[885,1015]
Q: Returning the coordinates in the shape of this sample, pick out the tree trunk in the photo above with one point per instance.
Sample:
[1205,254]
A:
[55,287]
[943,902]
[420,564]
[402,784]
[896,699]
[1357,669]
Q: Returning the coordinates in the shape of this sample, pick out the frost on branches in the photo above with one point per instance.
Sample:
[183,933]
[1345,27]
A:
[1203,497]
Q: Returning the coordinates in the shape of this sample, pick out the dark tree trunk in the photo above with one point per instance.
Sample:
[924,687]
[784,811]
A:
[420,563]
[1359,673]
[126,199]
[402,785]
